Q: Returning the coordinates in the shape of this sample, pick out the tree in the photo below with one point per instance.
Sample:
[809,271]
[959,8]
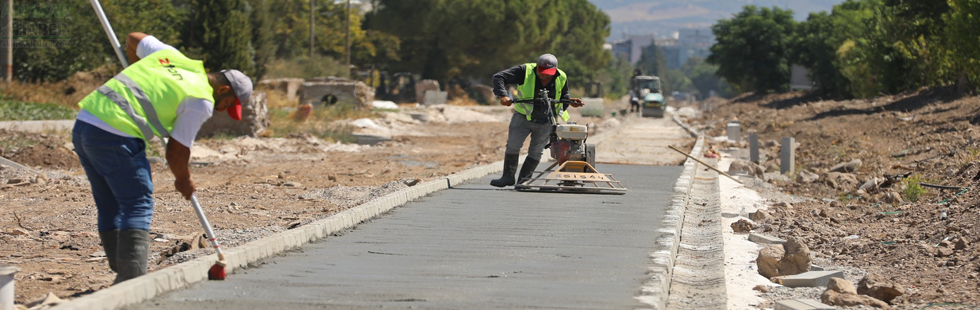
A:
[79,43]
[220,34]
[703,78]
[262,37]
[444,39]
[961,41]
[752,49]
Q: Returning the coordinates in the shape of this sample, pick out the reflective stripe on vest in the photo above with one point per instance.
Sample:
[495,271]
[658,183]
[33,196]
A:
[526,91]
[148,109]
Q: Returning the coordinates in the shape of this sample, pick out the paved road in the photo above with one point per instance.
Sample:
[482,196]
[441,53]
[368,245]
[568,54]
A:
[471,247]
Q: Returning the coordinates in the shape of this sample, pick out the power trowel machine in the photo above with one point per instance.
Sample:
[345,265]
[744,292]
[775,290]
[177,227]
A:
[574,167]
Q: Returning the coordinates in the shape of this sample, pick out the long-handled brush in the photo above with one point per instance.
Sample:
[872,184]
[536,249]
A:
[217,271]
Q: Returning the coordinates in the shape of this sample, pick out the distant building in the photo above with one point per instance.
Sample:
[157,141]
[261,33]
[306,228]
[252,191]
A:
[631,47]
[686,43]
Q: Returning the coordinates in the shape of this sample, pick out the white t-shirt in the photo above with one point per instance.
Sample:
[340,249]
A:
[191,113]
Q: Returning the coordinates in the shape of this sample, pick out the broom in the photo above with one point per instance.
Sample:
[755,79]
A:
[217,271]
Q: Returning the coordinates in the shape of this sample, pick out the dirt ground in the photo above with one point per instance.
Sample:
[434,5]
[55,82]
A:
[869,218]
[249,188]
[253,187]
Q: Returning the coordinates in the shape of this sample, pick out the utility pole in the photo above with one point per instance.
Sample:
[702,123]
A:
[312,25]
[348,35]
[8,70]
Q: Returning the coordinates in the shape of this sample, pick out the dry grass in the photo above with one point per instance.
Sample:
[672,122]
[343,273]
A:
[66,93]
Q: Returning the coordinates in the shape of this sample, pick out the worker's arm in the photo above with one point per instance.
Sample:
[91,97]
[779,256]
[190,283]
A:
[512,76]
[178,157]
[576,102]
[132,42]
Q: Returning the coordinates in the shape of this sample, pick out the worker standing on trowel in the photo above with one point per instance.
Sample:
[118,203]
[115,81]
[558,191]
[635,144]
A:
[530,78]
[167,95]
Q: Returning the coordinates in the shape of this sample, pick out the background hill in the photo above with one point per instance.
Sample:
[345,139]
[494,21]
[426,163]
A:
[663,17]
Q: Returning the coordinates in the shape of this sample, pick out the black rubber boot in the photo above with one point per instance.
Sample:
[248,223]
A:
[134,246]
[109,241]
[510,167]
[527,169]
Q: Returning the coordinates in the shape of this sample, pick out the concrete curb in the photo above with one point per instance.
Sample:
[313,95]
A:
[655,290]
[185,274]
[687,128]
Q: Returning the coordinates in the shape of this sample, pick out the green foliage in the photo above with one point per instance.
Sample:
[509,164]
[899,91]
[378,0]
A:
[76,40]
[262,37]
[27,111]
[753,48]
[961,39]
[913,189]
[443,39]
[615,78]
[703,79]
[220,34]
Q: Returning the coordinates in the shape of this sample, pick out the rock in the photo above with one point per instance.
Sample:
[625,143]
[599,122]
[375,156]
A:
[785,259]
[834,298]
[838,180]
[761,216]
[425,85]
[878,288]
[870,186]
[331,90]
[768,260]
[891,197]
[772,167]
[743,226]
[960,244]
[761,288]
[288,86]
[255,119]
[797,259]
[292,184]
[783,205]
[806,177]
[841,286]
[17,231]
[747,167]
[850,166]
[944,252]
[776,177]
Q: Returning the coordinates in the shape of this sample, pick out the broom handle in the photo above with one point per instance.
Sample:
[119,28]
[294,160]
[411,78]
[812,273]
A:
[109,32]
[207,226]
[706,165]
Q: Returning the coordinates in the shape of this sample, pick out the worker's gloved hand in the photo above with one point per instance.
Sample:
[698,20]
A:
[576,102]
[506,101]
[185,187]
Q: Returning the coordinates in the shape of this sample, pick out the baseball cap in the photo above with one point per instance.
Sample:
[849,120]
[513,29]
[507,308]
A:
[242,85]
[548,64]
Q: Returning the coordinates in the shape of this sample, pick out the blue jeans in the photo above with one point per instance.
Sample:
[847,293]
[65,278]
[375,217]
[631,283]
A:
[119,173]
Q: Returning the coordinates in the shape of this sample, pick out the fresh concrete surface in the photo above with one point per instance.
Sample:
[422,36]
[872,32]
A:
[470,247]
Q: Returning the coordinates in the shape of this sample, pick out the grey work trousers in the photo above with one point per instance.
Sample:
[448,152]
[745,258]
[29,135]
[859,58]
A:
[519,129]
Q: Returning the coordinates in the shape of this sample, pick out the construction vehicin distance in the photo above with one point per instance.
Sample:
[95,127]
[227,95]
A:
[648,95]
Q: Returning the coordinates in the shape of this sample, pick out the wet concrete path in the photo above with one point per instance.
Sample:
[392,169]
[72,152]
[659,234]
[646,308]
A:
[471,247]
